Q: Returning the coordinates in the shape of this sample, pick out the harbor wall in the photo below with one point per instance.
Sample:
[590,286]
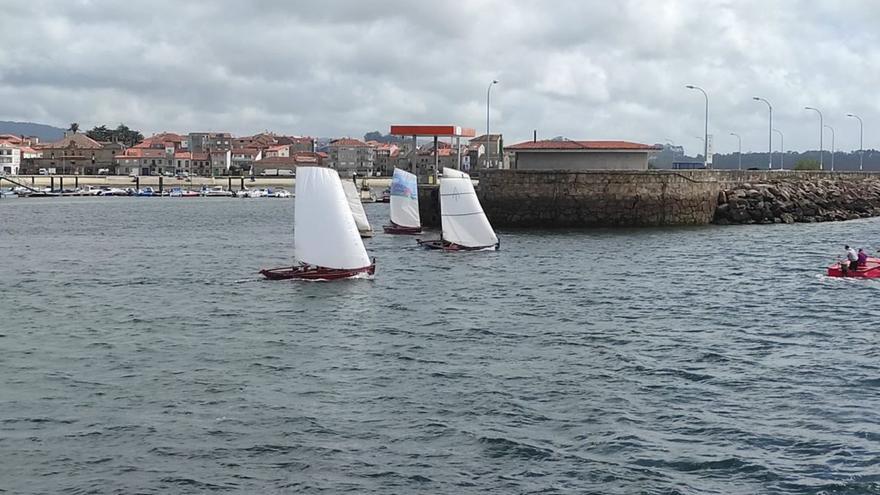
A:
[793,197]
[602,198]
[518,198]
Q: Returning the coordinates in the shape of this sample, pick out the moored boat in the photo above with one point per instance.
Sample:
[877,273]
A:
[326,239]
[404,211]
[871,269]
[464,224]
[217,192]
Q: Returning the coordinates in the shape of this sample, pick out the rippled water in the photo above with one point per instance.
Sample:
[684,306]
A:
[140,353]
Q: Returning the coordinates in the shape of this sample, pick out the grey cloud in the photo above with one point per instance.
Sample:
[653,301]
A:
[584,69]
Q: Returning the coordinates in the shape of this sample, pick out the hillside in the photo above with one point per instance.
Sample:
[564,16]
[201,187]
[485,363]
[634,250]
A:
[46,133]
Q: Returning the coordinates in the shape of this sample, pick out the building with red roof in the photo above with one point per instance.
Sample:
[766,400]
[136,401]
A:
[350,156]
[580,155]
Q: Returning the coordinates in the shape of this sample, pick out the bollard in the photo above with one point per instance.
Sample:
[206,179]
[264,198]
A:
[61,184]
[51,182]
[229,183]
[160,185]
[241,187]
[76,181]
[137,183]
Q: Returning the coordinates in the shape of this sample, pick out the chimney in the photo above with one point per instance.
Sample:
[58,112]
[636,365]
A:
[535,136]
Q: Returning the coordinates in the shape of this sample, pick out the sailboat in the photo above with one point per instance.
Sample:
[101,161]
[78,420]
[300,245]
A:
[465,226]
[357,209]
[404,204]
[326,239]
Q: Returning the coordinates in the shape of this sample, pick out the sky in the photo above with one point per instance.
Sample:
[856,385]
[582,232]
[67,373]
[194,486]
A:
[583,69]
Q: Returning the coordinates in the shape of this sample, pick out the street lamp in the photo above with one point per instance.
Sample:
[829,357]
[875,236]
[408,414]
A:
[705,124]
[488,93]
[739,153]
[821,133]
[861,140]
[769,132]
[832,145]
[781,149]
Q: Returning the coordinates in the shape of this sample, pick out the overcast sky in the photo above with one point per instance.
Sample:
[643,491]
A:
[582,69]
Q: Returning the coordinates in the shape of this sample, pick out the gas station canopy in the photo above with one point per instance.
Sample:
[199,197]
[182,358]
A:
[432,130]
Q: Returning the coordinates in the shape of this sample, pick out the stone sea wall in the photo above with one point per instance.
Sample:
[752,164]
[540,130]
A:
[789,197]
[548,199]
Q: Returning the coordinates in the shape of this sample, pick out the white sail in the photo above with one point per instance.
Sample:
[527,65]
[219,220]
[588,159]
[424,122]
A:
[405,199]
[324,230]
[462,218]
[356,206]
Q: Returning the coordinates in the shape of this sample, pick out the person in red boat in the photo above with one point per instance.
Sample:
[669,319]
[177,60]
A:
[861,258]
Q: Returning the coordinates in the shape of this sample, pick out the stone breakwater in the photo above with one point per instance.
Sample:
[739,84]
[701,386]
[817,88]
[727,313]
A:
[606,198]
[602,198]
[799,198]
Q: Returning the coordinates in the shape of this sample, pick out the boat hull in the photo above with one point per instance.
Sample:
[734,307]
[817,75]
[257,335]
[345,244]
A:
[871,269]
[316,273]
[441,245]
[400,230]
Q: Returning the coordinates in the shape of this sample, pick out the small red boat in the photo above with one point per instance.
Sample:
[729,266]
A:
[871,269]
[401,230]
[451,246]
[308,272]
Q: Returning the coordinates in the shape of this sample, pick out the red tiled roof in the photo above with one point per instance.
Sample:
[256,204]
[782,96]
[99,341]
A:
[348,142]
[548,145]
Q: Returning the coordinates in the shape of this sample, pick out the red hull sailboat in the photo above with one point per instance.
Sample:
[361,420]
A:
[404,210]
[326,238]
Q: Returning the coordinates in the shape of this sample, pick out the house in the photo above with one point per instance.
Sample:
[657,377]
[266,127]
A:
[242,160]
[297,143]
[286,165]
[221,161]
[494,144]
[76,153]
[143,161]
[385,158]
[349,156]
[581,155]
[209,141]
[10,159]
[278,150]
[191,163]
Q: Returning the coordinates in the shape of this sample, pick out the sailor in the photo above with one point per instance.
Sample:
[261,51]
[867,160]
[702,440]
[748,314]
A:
[862,257]
[852,257]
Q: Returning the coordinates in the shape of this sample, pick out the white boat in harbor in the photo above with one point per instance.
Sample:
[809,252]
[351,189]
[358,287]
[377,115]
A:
[357,209]
[404,209]
[463,221]
[281,193]
[217,192]
[326,239]
[257,193]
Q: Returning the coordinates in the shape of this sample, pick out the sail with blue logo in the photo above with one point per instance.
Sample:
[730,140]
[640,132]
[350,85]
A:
[405,199]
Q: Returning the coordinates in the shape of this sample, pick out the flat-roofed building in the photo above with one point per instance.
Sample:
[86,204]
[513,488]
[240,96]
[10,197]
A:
[581,155]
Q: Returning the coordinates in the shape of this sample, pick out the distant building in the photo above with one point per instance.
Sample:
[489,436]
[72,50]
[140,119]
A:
[581,155]
[495,152]
[190,163]
[277,150]
[385,157]
[297,143]
[243,160]
[10,158]
[286,165]
[349,156]
[209,141]
[77,153]
[221,162]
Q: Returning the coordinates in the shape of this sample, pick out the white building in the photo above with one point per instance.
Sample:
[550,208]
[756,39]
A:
[10,159]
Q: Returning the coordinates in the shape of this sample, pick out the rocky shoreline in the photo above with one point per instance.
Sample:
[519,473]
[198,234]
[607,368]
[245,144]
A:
[795,201]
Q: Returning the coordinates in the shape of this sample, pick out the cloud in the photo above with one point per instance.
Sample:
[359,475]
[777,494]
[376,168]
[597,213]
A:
[583,69]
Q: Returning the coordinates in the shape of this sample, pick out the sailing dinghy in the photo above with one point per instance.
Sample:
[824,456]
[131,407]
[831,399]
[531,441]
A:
[404,204]
[357,209]
[326,239]
[465,226]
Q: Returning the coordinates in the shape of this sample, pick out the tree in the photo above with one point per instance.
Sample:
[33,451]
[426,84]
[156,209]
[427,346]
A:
[74,127]
[806,164]
[122,134]
[100,133]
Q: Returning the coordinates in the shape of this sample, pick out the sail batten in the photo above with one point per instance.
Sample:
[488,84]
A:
[462,217]
[405,199]
[325,233]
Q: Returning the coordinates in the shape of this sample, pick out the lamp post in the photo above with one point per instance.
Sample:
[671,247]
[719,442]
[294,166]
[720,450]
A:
[705,125]
[739,154]
[781,149]
[488,94]
[832,145]
[861,140]
[769,132]
[821,133]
